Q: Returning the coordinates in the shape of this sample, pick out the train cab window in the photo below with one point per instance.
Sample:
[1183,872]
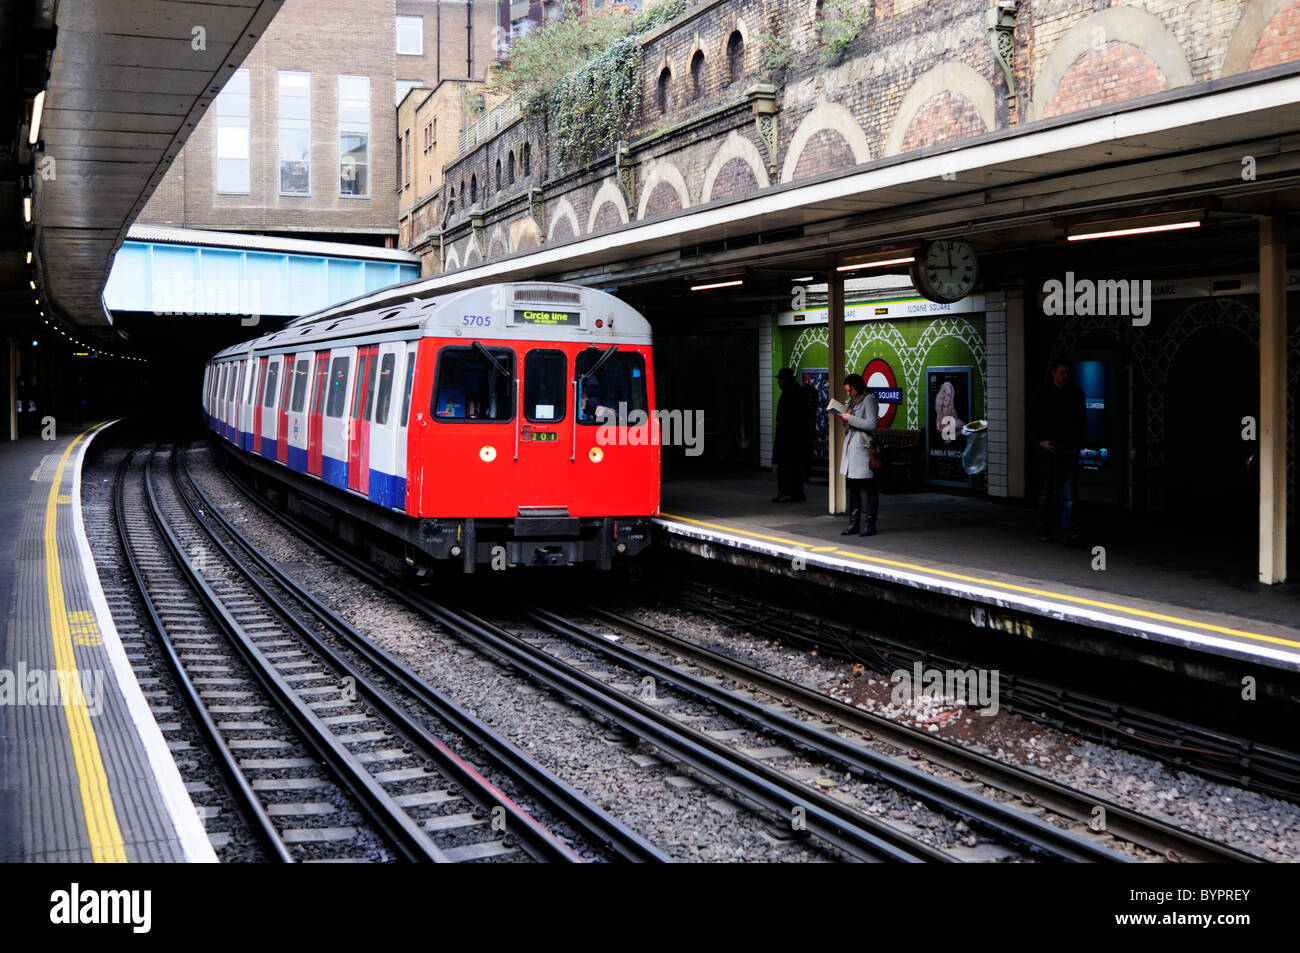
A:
[385,388]
[272,375]
[474,383]
[410,379]
[545,389]
[609,382]
[300,374]
[338,387]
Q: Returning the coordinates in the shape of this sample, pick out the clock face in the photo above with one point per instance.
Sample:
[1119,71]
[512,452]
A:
[947,271]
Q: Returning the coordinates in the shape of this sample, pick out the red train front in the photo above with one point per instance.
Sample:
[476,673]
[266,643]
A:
[521,432]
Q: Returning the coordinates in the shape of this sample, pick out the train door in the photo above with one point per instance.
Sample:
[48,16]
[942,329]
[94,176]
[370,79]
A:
[248,389]
[358,434]
[220,411]
[615,448]
[268,409]
[315,424]
[335,422]
[400,463]
[383,424]
[257,404]
[545,429]
[282,417]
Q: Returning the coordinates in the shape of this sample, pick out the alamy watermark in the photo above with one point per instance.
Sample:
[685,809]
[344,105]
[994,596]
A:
[637,428]
[1086,297]
[190,296]
[40,687]
[972,687]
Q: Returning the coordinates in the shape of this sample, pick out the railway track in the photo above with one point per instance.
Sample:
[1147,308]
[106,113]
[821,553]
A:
[757,691]
[1221,756]
[323,764]
[968,797]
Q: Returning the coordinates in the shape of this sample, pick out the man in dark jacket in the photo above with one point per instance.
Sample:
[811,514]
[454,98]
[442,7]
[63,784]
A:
[1056,426]
[790,446]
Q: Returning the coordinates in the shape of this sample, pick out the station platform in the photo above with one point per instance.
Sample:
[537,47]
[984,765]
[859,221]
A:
[85,773]
[983,558]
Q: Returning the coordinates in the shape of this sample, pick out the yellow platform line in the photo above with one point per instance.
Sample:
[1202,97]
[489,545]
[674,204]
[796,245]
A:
[106,844]
[1078,600]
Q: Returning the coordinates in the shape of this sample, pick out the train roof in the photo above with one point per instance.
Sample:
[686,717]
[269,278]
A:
[528,310]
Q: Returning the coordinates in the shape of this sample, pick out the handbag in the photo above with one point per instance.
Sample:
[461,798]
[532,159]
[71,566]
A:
[874,459]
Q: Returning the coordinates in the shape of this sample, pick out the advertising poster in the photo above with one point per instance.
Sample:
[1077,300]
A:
[948,405]
[1093,379]
[817,385]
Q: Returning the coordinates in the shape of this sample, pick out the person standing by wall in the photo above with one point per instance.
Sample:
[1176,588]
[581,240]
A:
[1057,428]
[790,444]
[860,422]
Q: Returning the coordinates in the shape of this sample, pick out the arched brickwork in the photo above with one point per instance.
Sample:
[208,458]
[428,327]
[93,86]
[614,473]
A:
[608,194]
[1125,44]
[563,223]
[662,190]
[497,246]
[949,102]
[1265,35]
[453,259]
[472,256]
[524,234]
[828,138]
[736,148]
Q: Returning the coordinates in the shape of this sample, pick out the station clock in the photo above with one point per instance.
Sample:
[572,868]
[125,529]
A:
[946,270]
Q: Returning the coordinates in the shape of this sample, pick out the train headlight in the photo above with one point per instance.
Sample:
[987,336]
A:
[595,455]
[487,453]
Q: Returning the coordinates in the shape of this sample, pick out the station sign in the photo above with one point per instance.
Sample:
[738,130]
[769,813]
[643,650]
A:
[884,310]
[881,380]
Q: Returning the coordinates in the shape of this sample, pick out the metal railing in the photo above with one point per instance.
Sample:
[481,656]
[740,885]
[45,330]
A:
[487,126]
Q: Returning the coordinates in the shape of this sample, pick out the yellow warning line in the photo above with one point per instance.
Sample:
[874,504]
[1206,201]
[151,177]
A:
[1079,600]
[106,844]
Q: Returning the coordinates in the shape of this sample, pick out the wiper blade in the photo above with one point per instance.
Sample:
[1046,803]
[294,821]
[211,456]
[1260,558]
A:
[500,368]
[600,361]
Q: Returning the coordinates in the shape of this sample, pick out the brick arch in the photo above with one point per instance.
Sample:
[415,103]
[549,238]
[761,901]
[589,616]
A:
[665,175]
[953,88]
[1257,41]
[736,25]
[524,234]
[498,240]
[826,117]
[608,194]
[453,259]
[736,147]
[1114,38]
[563,212]
[472,255]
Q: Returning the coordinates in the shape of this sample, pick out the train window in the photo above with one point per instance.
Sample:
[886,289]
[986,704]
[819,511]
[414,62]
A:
[241,392]
[363,361]
[272,375]
[221,388]
[474,383]
[385,388]
[338,384]
[372,380]
[300,374]
[318,402]
[288,383]
[544,386]
[410,379]
[609,383]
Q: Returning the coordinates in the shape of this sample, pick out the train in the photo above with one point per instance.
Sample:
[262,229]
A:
[505,425]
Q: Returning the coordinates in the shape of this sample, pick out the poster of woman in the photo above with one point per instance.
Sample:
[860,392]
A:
[948,407]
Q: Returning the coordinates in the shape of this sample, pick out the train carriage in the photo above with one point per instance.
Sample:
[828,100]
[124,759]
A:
[510,424]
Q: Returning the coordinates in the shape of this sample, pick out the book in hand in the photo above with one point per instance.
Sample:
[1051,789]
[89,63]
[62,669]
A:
[833,406]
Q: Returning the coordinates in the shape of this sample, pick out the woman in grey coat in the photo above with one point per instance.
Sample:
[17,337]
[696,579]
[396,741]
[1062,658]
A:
[855,463]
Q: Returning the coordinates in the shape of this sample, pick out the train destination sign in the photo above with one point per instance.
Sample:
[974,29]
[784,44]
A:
[548,318]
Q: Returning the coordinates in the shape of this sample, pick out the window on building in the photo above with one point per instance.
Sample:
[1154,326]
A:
[404,86]
[697,74]
[474,383]
[510,168]
[295,133]
[410,36]
[735,56]
[473,189]
[354,135]
[400,164]
[231,107]
[499,183]
[528,159]
[451,202]
[406,182]
[663,92]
